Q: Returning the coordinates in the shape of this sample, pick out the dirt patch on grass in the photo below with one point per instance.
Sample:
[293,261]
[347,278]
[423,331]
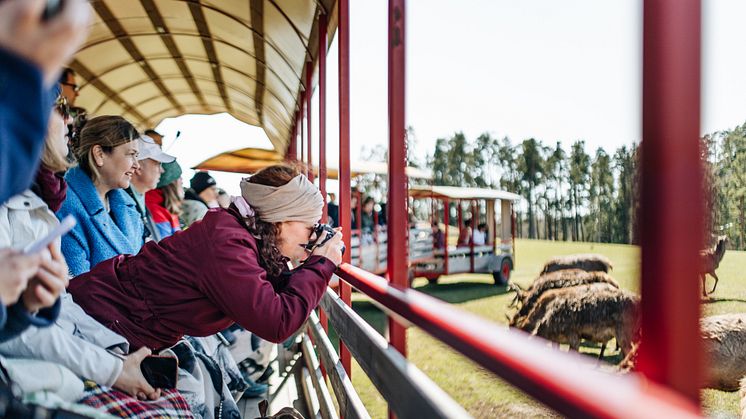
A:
[485,409]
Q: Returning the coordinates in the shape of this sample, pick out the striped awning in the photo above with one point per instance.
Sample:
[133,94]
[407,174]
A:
[152,59]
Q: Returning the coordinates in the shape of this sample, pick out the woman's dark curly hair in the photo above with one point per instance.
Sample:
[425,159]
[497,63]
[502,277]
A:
[267,234]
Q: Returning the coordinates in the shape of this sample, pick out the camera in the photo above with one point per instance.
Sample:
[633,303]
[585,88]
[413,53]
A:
[321,234]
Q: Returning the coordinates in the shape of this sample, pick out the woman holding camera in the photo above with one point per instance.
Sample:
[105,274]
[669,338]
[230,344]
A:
[231,267]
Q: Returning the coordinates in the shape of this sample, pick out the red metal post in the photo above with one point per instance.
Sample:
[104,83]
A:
[446,220]
[322,130]
[292,153]
[397,260]
[301,125]
[343,43]
[474,222]
[460,213]
[671,215]
[309,96]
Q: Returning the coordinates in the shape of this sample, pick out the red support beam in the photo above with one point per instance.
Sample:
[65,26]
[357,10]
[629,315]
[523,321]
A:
[671,215]
[446,220]
[397,260]
[292,153]
[322,129]
[309,97]
[302,139]
[345,214]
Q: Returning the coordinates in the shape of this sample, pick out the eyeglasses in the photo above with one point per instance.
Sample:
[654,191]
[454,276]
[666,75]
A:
[62,107]
[75,87]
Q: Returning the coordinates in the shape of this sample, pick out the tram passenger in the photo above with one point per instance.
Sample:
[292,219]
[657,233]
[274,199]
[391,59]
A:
[479,237]
[69,86]
[231,267]
[202,196]
[108,221]
[164,202]
[146,179]
[439,238]
[367,218]
[465,234]
[332,210]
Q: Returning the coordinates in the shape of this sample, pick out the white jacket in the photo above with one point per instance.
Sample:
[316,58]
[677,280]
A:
[76,341]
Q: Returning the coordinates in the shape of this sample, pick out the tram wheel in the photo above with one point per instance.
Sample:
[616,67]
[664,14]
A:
[503,275]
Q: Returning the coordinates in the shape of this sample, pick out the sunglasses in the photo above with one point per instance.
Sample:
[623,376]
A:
[75,87]
[62,107]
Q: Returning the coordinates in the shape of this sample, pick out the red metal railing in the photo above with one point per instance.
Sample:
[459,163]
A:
[566,382]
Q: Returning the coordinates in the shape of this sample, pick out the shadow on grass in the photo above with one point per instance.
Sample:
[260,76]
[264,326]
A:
[722,300]
[461,292]
[453,293]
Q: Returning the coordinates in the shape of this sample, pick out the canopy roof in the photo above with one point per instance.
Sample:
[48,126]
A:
[152,59]
[455,192]
[250,160]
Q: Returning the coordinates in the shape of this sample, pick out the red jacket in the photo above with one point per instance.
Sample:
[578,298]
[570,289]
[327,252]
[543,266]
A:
[198,282]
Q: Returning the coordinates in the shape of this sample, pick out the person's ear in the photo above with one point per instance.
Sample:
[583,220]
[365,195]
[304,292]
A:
[97,152]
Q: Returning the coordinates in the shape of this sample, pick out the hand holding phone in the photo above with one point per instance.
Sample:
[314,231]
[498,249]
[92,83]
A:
[160,371]
[65,225]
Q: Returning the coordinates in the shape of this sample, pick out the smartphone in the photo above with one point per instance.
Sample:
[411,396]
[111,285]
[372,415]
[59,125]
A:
[160,371]
[51,9]
[65,225]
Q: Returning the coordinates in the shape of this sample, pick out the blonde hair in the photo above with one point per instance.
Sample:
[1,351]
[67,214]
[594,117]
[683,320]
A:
[50,158]
[106,131]
[171,198]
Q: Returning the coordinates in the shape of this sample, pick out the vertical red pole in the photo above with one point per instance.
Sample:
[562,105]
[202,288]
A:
[292,153]
[309,96]
[460,213]
[345,214]
[446,220]
[301,125]
[398,251]
[322,129]
[671,201]
[474,222]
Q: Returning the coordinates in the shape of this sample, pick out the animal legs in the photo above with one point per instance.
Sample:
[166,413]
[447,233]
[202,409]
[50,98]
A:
[716,281]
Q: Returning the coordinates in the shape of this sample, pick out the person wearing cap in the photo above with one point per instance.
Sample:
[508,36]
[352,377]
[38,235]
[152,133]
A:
[155,135]
[198,199]
[146,179]
[164,202]
[232,267]
[108,221]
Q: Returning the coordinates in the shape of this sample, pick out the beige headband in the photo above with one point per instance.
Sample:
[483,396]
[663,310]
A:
[297,200]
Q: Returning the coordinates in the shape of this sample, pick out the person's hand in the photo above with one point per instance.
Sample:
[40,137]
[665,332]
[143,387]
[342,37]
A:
[48,283]
[48,44]
[332,249]
[131,380]
[15,271]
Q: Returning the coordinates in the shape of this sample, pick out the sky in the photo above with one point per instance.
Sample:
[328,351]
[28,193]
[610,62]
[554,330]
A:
[553,70]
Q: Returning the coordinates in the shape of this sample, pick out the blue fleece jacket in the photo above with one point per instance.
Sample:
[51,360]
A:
[25,105]
[97,236]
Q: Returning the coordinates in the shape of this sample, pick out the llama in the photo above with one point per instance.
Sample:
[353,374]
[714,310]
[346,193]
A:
[595,312]
[588,262]
[709,262]
[558,279]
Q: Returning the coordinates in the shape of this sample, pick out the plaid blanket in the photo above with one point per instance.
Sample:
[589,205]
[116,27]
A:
[170,405]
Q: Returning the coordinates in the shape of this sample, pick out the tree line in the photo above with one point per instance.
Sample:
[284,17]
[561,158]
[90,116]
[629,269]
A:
[569,194]
[589,195]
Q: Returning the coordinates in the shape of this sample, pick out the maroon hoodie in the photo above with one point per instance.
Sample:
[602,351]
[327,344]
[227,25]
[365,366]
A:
[198,282]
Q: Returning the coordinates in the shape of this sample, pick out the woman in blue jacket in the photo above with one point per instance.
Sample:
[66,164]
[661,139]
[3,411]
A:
[108,221]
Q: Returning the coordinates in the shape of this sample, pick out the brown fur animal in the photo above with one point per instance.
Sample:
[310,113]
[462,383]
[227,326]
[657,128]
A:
[595,312]
[554,280]
[710,260]
[590,262]
[725,350]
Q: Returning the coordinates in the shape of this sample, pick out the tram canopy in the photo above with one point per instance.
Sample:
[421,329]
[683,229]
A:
[152,59]
[250,160]
[455,192]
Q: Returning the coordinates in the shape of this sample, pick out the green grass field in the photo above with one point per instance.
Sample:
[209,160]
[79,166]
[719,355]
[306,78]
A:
[480,392]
